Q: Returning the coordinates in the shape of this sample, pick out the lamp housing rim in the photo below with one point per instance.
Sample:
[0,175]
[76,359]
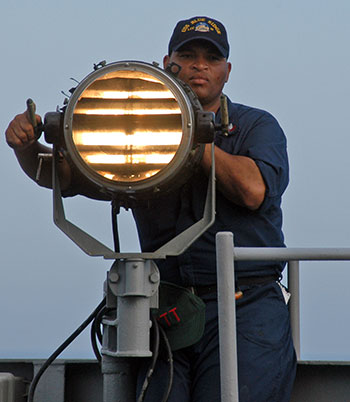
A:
[186,157]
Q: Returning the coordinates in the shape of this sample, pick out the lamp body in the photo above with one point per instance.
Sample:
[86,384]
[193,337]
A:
[130,128]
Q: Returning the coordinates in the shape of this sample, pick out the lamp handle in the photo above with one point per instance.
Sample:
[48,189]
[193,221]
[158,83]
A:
[31,108]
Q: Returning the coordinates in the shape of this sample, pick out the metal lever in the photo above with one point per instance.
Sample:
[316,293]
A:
[224,114]
[31,111]
[38,129]
[42,157]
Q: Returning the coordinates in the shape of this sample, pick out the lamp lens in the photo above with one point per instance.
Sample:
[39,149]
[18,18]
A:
[127,126]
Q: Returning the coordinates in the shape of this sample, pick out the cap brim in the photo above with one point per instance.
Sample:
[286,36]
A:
[201,37]
[187,334]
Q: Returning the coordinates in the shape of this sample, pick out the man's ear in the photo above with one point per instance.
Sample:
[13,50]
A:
[229,67]
[166,60]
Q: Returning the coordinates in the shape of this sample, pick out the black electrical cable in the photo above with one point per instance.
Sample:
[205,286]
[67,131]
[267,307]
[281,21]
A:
[98,320]
[158,329]
[61,348]
[115,209]
[155,353]
[171,364]
[94,342]
[96,333]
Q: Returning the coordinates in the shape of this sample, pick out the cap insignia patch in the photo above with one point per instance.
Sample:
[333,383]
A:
[202,27]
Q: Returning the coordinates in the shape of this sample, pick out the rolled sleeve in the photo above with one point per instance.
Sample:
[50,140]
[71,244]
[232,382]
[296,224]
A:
[266,144]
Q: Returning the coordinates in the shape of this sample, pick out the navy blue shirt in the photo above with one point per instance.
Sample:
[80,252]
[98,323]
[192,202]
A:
[253,133]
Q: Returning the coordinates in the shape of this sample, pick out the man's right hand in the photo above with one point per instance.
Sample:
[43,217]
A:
[20,133]
[20,136]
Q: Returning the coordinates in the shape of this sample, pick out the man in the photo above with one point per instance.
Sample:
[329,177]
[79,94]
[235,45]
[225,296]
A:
[252,174]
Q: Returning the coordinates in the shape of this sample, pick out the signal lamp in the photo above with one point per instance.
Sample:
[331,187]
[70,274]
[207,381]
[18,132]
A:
[134,130]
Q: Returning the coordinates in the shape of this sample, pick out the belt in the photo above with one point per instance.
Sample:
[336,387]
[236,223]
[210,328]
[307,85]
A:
[246,281]
[203,290]
[256,280]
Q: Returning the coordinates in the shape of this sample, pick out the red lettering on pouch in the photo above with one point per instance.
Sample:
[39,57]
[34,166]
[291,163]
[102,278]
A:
[165,318]
[175,314]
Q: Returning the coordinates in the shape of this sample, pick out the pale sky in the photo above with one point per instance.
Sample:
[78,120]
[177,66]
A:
[289,57]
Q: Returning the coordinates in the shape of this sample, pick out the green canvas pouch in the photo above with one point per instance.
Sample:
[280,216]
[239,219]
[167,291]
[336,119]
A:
[181,314]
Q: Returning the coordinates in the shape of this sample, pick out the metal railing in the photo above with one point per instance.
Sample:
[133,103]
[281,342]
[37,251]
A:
[293,256]
[226,255]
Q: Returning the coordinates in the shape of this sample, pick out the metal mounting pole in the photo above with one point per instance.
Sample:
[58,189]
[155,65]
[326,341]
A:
[294,304]
[119,380]
[227,317]
[131,291]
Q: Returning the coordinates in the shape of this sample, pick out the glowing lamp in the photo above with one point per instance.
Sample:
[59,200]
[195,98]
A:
[134,129]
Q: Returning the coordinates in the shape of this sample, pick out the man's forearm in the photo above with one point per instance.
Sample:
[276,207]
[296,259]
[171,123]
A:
[238,177]
[29,162]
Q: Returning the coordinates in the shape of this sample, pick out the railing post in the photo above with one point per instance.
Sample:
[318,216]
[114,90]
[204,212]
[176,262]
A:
[294,305]
[227,317]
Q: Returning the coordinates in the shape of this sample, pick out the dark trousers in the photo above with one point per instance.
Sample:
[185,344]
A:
[266,357]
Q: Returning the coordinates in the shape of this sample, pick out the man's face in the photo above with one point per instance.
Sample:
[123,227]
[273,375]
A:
[204,69]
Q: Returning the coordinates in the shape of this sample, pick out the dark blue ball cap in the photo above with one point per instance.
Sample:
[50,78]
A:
[200,28]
